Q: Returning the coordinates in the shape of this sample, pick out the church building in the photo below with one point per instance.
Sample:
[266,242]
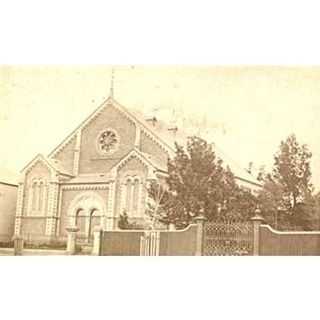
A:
[99,171]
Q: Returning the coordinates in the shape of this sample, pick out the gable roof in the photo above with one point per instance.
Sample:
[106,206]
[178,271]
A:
[52,164]
[161,135]
[111,101]
[180,137]
[163,130]
[146,158]
[57,165]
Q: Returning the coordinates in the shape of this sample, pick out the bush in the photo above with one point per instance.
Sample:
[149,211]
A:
[53,245]
[124,223]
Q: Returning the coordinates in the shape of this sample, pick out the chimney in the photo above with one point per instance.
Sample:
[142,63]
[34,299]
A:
[153,120]
[173,130]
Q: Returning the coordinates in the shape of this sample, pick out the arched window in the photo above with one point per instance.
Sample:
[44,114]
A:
[41,190]
[135,200]
[37,197]
[33,198]
[44,199]
[129,190]
[131,195]
[80,219]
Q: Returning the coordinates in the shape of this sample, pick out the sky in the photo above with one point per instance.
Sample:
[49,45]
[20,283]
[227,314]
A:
[246,111]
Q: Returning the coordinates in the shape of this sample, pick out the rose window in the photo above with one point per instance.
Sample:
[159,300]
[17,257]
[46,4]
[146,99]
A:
[108,141]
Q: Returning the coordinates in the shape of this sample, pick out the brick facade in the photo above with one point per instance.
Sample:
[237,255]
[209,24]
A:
[77,170]
[67,155]
[99,171]
[91,161]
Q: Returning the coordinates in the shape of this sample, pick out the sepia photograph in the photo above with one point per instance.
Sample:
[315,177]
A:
[137,160]
[159,160]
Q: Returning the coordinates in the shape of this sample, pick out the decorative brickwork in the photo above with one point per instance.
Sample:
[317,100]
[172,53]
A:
[19,212]
[111,147]
[52,209]
[76,162]
[91,159]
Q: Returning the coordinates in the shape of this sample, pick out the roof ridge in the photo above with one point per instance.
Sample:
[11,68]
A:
[115,103]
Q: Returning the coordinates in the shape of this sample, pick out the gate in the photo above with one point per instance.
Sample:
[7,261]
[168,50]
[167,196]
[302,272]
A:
[228,238]
[150,243]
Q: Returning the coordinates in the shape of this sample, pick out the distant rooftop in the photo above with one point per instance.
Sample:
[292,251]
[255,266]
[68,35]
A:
[180,136]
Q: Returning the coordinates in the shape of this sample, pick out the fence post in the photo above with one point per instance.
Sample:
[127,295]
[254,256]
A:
[256,220]
[17,245]
[200,221]
[96,250]
[72,237]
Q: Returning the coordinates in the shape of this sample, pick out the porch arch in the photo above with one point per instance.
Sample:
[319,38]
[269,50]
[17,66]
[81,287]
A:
[86,211]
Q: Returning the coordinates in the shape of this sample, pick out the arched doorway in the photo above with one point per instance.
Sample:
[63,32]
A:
[94,221]
[80,220]
[86,212]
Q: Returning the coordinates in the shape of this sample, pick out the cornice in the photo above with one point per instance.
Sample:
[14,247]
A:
[85,187]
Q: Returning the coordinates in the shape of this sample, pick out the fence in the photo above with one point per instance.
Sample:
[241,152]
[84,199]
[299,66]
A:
[121,243]
[150,243]
[228,238]
[200,238]
[209,238]
[290,243]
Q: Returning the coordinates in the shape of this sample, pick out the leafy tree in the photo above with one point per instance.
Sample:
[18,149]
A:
[286,197]
[198,183]
[157,204]
[292,170]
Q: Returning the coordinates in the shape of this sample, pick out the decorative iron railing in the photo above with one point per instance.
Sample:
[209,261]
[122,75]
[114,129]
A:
[228,238]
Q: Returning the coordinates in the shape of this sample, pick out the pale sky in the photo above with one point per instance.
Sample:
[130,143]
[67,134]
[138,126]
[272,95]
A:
[247,110]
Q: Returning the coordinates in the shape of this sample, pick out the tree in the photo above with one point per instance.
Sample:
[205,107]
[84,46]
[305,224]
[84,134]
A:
[292,170]
[197,183]
[157,202]
[287,191]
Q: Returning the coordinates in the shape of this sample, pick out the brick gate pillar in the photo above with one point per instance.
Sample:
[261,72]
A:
[200,221]
[256,220]
[72,238]
[97,233]
[17,245]
[171,227]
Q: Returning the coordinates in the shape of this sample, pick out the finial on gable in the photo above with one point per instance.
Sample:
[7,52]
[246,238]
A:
[112,83]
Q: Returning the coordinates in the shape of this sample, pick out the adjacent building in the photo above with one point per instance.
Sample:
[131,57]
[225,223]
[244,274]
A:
[8,201]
